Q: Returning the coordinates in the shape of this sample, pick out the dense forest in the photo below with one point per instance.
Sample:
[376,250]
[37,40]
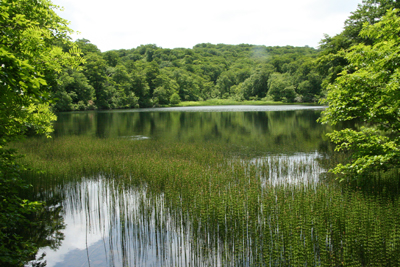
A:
[149,76]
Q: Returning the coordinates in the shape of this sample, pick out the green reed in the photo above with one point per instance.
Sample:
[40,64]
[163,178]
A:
[227,210]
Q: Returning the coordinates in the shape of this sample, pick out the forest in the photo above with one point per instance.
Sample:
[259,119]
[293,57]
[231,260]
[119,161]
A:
[151,76]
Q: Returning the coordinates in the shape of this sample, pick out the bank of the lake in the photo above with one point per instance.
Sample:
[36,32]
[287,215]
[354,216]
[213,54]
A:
[227,102]
[217,102]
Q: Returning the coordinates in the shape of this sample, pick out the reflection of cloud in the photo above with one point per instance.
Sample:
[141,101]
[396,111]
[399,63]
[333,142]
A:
[291,169]
[75,239]
[139,241]
[136,137]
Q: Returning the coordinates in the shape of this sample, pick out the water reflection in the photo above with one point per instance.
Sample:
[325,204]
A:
[108,224]
[114,224]
[289,169]
[266,128]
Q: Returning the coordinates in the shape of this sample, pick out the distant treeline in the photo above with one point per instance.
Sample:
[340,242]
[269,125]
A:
[149,76]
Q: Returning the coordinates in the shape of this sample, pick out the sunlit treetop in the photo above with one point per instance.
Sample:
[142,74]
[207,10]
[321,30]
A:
[368,89]
[29,29]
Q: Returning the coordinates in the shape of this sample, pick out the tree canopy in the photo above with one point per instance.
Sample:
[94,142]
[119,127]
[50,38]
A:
[368,90]
[28,58]
[28,62]
[148,75]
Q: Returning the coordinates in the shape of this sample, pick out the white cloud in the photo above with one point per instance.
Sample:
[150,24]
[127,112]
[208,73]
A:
[127,24]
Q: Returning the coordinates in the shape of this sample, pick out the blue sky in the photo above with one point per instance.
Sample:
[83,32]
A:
[127,24]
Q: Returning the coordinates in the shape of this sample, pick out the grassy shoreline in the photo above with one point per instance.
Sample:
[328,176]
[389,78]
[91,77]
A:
[226,102]
[210,102]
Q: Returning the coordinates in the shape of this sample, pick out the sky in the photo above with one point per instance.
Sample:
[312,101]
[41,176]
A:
[126,24]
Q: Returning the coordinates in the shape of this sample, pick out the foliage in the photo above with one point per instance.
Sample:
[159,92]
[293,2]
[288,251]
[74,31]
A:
[14,250]
[149,75]
[28,61]
[175,99]
[27,56]
[368,90]
[331,62]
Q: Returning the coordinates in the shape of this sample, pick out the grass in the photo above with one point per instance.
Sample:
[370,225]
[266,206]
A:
[219,102]
[228,210]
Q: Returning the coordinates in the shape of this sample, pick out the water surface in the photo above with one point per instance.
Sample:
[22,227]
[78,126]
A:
[93,231]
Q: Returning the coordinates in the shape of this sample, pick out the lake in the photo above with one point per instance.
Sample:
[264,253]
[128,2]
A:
[103,223]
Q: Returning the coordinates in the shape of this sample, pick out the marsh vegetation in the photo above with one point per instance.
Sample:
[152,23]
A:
[182,198]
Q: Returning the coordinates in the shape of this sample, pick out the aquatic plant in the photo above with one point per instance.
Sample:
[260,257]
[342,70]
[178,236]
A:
[202,204]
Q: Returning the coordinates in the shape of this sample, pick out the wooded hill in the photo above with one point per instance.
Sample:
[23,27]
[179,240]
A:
[149,76]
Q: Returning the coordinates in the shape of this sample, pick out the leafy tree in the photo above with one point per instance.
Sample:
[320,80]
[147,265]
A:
[87,47]
[331,63]
[111,57]
[257,84]
[27,55]
[72,87]
[24,100]
[166,87]
[368,90]
[175,99]
[280,88]
[224,83]
[95,71]
[152,70]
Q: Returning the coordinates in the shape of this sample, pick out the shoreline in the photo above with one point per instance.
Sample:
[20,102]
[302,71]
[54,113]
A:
[205,103]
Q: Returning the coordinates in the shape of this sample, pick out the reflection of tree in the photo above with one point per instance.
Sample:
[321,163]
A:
[48,224]
[267,131]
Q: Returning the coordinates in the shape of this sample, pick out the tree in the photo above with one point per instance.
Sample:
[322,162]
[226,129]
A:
[368,89]
[175,99]
[73,91]
[257,84]
[370,11]
[26,55]
[29,28]
[280,88]
[95,71]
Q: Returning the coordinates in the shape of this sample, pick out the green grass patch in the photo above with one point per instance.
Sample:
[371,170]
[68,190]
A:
[221,102]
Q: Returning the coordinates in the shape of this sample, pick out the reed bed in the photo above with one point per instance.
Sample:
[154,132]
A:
[197,205]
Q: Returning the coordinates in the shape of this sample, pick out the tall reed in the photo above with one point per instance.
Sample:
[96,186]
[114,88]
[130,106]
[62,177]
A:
[203,206]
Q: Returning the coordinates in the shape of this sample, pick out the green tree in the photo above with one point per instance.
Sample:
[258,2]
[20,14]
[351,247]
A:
[112,58]
[257,84]
[95,71]
[24,97]
[280,88]
[27,55]
[152,70]
[175,99]
[72,92]
[87,47]
[331,63]
[368,90]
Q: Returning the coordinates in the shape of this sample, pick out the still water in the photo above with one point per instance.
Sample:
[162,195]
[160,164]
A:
[100,230]
[272,129]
